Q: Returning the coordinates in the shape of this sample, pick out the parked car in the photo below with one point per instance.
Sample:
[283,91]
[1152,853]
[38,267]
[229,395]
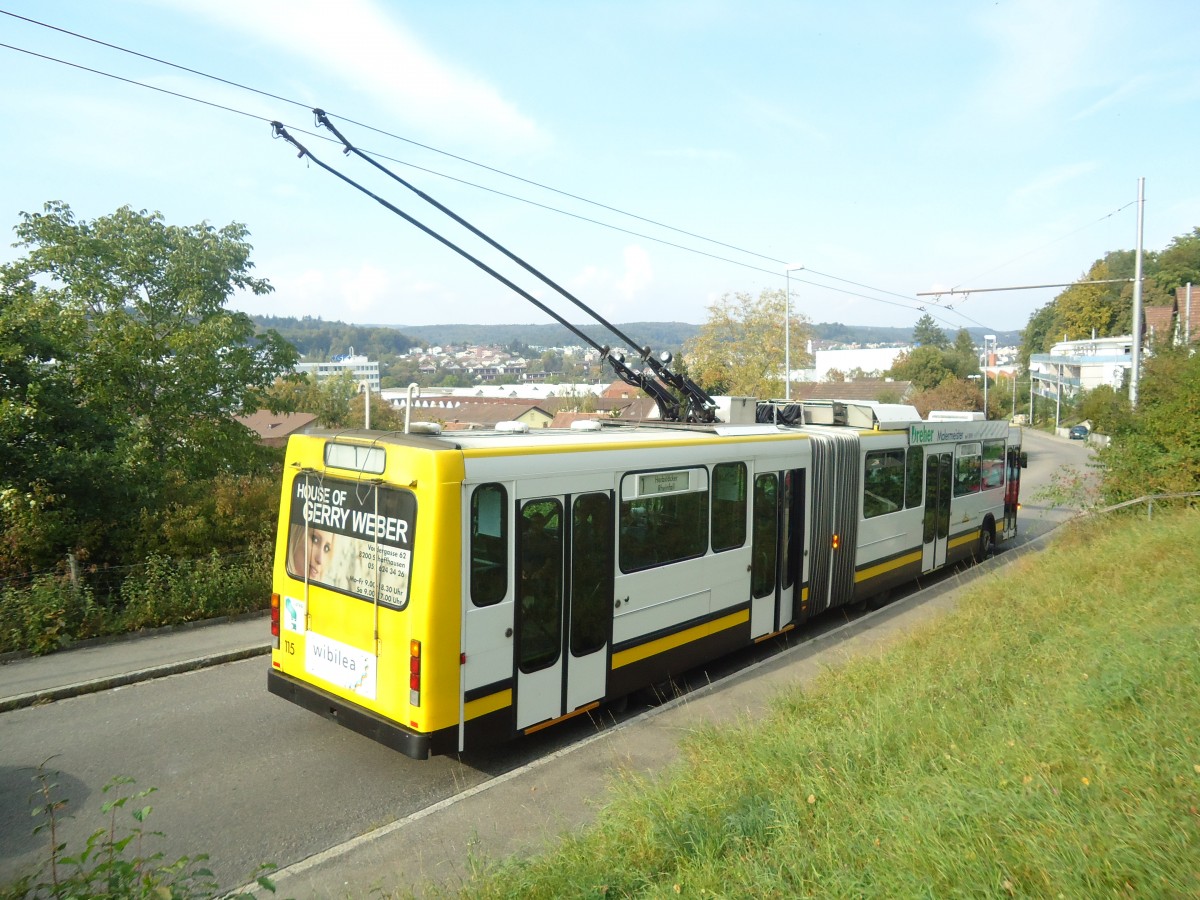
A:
[1079,433]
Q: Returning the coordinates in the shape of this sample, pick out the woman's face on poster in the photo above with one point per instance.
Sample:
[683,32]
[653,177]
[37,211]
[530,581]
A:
[320,548]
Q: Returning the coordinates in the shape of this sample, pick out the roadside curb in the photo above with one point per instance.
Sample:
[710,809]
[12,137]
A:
[123,637]
[109,682]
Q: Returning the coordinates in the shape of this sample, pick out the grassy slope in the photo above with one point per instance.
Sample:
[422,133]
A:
[1042,741]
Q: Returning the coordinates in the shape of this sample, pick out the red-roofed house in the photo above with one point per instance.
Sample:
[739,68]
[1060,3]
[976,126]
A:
[273,429]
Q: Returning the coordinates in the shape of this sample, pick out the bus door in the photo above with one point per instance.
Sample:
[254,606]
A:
[777,530]
[564,595]
[939,483]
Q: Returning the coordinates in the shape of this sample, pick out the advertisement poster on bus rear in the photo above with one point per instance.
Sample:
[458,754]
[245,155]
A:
[353,538]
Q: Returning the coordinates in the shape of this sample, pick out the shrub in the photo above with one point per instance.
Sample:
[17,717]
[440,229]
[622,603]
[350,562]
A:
[170,592]
[48,614]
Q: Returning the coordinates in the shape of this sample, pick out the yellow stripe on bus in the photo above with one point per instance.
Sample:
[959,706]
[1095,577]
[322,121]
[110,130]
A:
[965,538]
[488,704]
[652,648]
[888,566]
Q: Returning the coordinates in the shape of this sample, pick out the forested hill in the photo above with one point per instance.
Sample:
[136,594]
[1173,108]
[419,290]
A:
[321,338]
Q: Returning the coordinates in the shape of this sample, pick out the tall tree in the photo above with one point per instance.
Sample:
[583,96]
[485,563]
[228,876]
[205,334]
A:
[963,357]
[926,367]
[123,319]
[1179,264]
[1036,333]
[740,349]
[927,333]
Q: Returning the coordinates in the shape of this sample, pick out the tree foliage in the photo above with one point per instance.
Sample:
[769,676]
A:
[1157,448]
[1106,408]
[952,393]
[963,356]
[739,350]
[318,340]
[1105,310]
[121,371]
[935,358]
[925,366]
[927,333]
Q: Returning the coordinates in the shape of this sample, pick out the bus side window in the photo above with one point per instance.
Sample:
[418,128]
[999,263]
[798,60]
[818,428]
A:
[883,483]
[489,544]
[728,506]
[913,495]
[966,469]
[993,464]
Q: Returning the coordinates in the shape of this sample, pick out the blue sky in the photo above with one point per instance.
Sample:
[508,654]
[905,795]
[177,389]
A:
[898,147]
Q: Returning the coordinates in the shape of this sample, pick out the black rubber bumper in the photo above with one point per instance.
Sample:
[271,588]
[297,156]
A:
[365,722]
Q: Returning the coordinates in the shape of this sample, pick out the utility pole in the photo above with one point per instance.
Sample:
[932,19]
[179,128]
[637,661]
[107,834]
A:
[987,363]
[1136,358]
[1187,328]
[787,332]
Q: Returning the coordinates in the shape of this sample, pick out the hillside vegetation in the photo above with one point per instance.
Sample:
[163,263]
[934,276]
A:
[1043,740]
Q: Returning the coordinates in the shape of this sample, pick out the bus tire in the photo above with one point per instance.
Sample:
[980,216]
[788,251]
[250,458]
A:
[987,542]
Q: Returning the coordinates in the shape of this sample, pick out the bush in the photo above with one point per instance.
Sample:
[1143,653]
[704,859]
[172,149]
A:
[53,612]
[171,592]
[48,614]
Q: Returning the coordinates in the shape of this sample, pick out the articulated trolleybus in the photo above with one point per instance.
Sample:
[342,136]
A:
[440,592]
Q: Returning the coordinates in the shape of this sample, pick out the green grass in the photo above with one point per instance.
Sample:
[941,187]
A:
[1042,741]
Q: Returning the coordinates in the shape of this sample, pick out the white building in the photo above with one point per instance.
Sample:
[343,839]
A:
[360,367]
[1075,366]
[868,359]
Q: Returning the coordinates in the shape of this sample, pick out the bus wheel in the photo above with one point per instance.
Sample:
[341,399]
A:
[878,601]
[987,544]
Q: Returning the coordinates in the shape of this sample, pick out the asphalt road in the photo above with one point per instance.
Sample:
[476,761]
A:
[248,779]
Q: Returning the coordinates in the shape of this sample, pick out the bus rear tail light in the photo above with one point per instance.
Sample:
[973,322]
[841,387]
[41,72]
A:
[275,620]
[414,673]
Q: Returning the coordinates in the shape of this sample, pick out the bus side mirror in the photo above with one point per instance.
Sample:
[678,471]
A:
[1024,459]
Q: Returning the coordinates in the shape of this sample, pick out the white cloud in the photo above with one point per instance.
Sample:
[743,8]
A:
[638,274]
[1127,89]
[606,289]
[1045,51]
[369,50]
[1051,180]
[349,295]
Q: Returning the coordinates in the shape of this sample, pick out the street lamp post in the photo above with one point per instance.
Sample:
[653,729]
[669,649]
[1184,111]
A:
[986,362]
[787,333]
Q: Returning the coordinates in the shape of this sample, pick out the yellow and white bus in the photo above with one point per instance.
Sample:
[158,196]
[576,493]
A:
[439,592]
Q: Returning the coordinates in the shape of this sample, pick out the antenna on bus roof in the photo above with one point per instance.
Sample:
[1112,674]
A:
[668,406]
[698,405]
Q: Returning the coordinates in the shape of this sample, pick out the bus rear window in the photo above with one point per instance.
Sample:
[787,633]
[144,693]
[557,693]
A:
[352,537]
